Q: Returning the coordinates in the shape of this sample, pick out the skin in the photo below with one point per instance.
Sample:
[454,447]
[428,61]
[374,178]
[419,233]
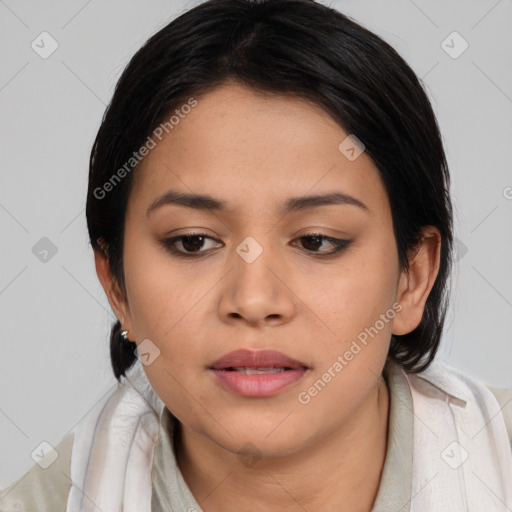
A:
[255,151]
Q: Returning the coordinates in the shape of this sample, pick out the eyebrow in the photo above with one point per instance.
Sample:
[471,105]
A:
[206,202]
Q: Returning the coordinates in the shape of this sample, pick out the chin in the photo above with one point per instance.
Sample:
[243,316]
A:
[252,450]
[271,438]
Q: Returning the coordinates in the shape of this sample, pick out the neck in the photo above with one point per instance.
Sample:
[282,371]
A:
[341,473]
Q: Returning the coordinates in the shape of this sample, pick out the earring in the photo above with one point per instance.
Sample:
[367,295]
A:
[124,336]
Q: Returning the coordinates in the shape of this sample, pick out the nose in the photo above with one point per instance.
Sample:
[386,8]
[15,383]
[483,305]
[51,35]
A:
[257,292]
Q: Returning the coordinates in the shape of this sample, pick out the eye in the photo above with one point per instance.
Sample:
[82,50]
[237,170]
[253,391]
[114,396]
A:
[191,243]
[313,241]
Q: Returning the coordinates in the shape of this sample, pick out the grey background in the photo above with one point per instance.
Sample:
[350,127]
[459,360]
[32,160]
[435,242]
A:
[55,318]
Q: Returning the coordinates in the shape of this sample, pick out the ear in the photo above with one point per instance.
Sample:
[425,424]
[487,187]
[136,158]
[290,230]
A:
[415,284]
[112,289]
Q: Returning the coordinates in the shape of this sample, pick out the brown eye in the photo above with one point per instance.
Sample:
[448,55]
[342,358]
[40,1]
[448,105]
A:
[191,244]
[314,241]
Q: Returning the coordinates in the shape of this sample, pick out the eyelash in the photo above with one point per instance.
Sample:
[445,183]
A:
[169,244]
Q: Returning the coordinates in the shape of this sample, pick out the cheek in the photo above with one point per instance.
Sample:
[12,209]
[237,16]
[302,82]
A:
[360,312]
[360,305]
[161,295]
[363,289]
[162,301]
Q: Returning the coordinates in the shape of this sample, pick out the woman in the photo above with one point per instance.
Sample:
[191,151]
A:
[270,216]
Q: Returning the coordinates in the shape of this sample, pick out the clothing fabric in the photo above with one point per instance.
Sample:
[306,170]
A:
[130,462]
[461,458]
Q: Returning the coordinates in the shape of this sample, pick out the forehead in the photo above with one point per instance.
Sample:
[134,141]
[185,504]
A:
[253,149]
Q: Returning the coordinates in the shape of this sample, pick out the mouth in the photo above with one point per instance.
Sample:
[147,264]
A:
[257,359]
[257,373]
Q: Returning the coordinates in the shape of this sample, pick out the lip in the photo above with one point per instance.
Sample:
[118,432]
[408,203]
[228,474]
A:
[257,385]
[256,359]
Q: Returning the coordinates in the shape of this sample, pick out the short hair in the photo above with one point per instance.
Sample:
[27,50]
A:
[301,49]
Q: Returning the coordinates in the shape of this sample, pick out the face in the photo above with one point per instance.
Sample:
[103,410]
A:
[318,282]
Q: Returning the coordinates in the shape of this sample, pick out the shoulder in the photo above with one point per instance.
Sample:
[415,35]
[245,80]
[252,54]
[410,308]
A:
[460,384]
[41,489]
[504,398]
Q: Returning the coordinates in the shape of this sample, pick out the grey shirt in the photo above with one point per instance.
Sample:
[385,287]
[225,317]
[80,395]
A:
[46,490]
